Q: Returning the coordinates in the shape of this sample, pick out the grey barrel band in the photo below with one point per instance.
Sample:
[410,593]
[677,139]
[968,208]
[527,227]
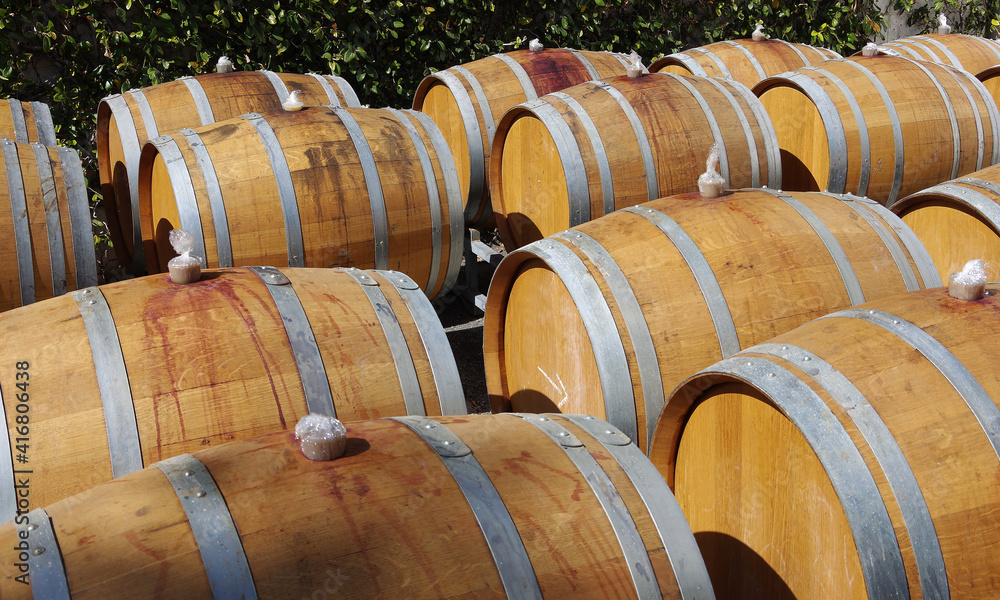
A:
[43,123]
[444,369]
[280,89]
[591,71]
[897,127]
[473,137]
[482,99]
[112,380]
[305,350]
[675,532]
[17,116]
[456,218]
[772,150]
[794,48]
[53,223]
[331,95]
[522,76]
[713,125]
[961,80]
[46,570]
[200,99]
[994,115]
[925,264]
[22,230]
[882,231]
[81,228]
[715,60]
[690,63]
[8,494]
[600,154]
[748,135]
[433,198]
[945,50]
[864,146]
[409,383]
[218,540]
[574,170]
[847,274]
[964,382]
[213,190]
[635,322]
[629,540]
[751,58]
[129,138]
[832,123]
[286,189]
[649,163]
[897,471]
[956,135]
[715,300]
[599,323]
[148,120]
[183,191]
[380,219]
[871,527]
[350,98]
[515,569]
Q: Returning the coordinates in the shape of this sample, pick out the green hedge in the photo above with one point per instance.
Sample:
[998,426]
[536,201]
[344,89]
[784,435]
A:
[72,53]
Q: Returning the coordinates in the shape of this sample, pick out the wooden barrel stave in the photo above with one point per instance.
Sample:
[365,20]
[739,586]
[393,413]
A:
[311,164]
[551,171]
[126,121]
[467,102]
[48,241]
[188,366]
[869,369]
[389,494]
[663,289]
[970,53]
[863,111]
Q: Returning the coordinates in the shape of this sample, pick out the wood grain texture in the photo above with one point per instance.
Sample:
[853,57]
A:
[549,70]
[919,100]
[720,440]
[774,272]
[28,114]
[971,53]
[770,56]
[206,363]
[535,194]
[35,190]
[958,223]
[331,191]
[173,108]
[385,520]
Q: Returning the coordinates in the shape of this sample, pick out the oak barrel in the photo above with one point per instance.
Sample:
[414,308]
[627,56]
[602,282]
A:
[591,149]
[746,60]
[958,221]
[123,375]
[482,506]
[606,318]
[46,236]
[126,121]
[467,101]
[854,457]
[27,122]
[882,127]
[321,187]
[971,53]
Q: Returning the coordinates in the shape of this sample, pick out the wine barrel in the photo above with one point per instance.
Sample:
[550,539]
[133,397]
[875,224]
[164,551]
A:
[27,122]
[958,221]
[46,238]
[126,121]
[467,101]
[483,506]
[591,149]
[631,304]
[882,126]
[854,457]
[321,187]
[746,61]
[123,375]
[970,53]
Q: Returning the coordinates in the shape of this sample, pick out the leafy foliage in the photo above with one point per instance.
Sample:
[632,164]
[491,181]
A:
[72,53]
[974,18]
